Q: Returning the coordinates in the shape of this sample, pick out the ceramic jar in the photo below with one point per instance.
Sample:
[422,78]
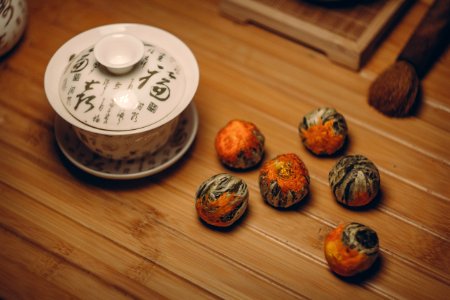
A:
[13,18]
[124,91]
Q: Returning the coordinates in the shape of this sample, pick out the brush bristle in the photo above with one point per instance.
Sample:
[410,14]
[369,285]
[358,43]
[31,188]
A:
[394,92]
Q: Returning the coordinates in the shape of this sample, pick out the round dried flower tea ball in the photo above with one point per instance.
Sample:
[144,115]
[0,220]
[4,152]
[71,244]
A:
[239,144]
[284,180]
[354,180]
[323,131]
[351,248]
[221,200]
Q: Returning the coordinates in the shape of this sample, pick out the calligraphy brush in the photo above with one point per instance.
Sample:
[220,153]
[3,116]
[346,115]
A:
[395,90]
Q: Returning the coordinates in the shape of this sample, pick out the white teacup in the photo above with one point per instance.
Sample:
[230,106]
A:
[13,19]
[122,95]
[128,146]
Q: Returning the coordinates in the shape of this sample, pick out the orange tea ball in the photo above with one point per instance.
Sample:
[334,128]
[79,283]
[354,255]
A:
[323,131]
[239,144]
[351,248]
[221,200]
[284,180]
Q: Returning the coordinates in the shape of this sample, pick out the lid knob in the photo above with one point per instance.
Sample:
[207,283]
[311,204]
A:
[119,52]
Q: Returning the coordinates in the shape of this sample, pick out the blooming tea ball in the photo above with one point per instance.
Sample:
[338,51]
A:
[221,200]
[284,180]
[354,180]
[323,131]
[239,144]
[351,248]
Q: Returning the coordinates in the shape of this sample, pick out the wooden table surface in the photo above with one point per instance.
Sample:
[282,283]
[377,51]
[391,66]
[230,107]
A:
[67,234]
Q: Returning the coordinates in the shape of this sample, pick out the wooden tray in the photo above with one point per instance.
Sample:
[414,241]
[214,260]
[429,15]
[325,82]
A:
[346,34]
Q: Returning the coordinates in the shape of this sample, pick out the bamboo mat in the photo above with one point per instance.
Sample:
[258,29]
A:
[67,234]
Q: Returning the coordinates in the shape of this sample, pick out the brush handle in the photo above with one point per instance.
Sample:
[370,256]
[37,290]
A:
[428,39]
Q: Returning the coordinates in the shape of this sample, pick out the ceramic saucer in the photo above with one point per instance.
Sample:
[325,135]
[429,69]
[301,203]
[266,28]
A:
[151,164]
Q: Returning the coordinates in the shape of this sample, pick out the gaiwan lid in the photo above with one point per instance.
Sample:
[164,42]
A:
[122,84]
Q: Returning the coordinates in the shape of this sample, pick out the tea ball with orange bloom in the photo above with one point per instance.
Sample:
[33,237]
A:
[221,200]
[323,131]
[354,180]
[351,248]
[239,144]
[284,180]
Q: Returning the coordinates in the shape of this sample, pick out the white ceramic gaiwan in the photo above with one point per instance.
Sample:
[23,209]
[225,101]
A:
[13,18]
[123,89]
